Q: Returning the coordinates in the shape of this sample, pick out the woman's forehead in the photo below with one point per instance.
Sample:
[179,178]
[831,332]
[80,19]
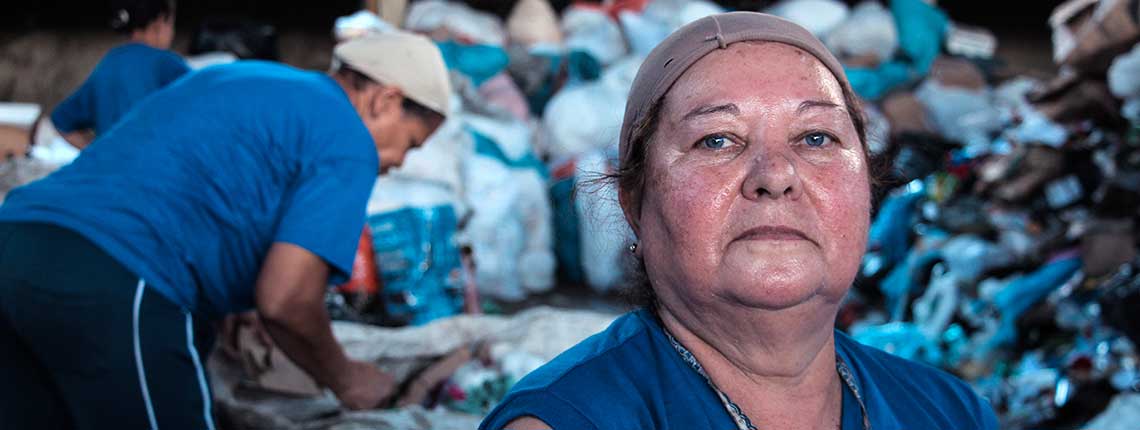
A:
[755,73]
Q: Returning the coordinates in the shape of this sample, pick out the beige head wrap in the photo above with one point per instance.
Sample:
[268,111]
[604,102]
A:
[669,60]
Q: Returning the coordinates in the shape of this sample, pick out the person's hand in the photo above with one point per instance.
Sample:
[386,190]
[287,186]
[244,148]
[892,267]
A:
[365,386]
[231,330]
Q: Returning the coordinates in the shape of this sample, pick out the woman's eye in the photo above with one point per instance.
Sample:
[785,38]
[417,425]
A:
[817,139]
[715,141]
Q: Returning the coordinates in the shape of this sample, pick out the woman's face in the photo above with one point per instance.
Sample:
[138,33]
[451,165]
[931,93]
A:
[757,191]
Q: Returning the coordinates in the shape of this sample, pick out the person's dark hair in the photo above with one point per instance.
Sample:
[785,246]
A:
[359,81]
[130,15]
[630,177]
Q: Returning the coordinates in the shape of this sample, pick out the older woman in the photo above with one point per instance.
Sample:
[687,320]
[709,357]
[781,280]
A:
[744,174]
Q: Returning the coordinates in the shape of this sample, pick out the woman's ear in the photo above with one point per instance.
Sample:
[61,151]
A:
[631,208]
[385,100]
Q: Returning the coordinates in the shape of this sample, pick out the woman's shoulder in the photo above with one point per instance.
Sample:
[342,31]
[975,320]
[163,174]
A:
[911,390]
[606,379]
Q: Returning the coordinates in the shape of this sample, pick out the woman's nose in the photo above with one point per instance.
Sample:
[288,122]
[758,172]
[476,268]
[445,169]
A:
[772,174]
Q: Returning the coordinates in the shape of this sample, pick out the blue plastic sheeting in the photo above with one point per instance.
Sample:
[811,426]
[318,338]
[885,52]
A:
[485,146]
[419,263]
[901,339]
[890,232]
[903,279]
[873,84]
[921,28]
[477,62]
[1024,292]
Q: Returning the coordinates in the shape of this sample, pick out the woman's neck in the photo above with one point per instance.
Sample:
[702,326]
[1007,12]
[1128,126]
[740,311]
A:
[148,38]
[778,366]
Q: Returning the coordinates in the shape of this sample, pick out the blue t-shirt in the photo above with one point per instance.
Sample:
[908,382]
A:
[191,189]
[123,77]
[630,377]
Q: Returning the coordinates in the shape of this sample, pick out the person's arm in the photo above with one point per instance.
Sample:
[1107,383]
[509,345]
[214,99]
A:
[290,299]
[74,118]
[80,138]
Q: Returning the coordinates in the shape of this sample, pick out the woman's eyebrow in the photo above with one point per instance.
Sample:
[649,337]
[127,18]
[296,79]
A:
[711,109]
[809,104]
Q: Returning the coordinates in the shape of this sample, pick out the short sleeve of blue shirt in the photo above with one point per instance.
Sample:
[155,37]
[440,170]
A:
[318,213]
[126,75]
[75,112]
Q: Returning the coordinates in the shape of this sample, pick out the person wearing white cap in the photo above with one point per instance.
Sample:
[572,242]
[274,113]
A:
[241,186]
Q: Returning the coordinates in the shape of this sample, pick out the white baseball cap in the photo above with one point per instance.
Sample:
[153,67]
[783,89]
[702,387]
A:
[405,60]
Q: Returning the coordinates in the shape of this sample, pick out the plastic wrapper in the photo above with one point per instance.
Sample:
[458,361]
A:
[889,236]
[588,117]
[901,339]
[817,16]
[1019,295]
[359,24]
[509,229]
[868,31]
[971,42]
[594,32]
[416,251]
[1035,127]
[968,257]
[478,62]
[935,309]
[674,13]
[959,114]
[1124,82]
[448,20]
[500,91]
[643,31]
[1124,74]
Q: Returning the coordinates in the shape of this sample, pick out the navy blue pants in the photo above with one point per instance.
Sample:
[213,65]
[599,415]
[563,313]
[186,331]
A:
[85,344]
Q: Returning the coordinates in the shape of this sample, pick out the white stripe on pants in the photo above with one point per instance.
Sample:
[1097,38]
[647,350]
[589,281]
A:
[138,355]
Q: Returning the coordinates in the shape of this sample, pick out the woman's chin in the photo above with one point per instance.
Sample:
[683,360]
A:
[774,283]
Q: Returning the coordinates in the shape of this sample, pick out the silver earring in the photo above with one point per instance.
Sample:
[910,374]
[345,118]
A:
[633,248]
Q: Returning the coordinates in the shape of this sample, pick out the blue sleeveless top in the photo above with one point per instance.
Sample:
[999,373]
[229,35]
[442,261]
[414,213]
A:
[631,377]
